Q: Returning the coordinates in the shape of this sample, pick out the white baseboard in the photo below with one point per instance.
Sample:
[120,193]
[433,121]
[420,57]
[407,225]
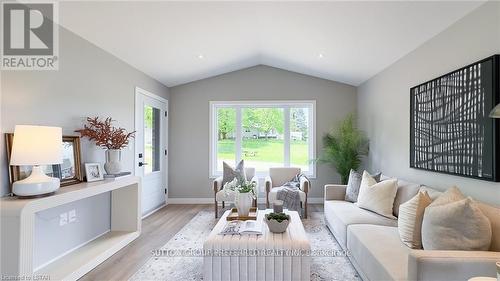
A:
[153,211]
[177,201]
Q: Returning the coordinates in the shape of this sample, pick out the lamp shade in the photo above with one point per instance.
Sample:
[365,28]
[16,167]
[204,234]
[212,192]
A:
[495,113]
[36,145]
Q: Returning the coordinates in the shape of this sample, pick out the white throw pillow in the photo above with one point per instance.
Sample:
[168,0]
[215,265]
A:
[453,222]
[411,214]
[377,197]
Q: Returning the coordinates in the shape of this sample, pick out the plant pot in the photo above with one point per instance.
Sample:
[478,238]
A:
[113,163]
[243,203]
[277,227]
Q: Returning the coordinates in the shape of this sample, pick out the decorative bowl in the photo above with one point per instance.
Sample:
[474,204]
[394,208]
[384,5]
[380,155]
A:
[275,226]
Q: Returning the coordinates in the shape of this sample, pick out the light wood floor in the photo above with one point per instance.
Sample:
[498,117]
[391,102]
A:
[157,229]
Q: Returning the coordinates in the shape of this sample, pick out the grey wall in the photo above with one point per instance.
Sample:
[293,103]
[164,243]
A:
[384,100]
[189,125]
[89,82]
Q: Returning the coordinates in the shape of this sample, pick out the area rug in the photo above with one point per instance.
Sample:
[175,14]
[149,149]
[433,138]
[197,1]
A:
[191,238]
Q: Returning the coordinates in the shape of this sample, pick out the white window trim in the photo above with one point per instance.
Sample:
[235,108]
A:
[286,104]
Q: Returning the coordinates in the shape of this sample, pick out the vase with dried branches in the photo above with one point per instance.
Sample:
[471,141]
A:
[111,138]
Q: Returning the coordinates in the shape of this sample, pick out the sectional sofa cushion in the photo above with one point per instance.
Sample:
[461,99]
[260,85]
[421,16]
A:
[406,191]
[453,222]
[352,189]
[377,252]
[410,218]
[377,197]
[354,183]
[340,214]
[493,214]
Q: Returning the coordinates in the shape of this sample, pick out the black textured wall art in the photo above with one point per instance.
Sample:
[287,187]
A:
[450,131]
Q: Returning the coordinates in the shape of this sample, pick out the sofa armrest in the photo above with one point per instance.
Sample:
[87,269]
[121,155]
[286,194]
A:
[217,184]
[268,184]
[335,192]
[305,184]
[450,265]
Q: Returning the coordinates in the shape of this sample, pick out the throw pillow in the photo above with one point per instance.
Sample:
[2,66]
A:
[453,222]
[229,174]
[450,195]
[352,190]
[377,197]
[410,218]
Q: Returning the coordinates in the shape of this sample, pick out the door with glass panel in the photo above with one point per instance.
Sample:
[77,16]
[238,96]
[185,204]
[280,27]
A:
[151,149]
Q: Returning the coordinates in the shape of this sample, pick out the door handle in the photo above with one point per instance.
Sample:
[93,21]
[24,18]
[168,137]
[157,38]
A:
[142,164]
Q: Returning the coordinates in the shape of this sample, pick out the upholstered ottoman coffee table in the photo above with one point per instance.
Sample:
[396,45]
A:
[270,256]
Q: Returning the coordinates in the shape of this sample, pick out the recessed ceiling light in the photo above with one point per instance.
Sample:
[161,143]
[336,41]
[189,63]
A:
[200,56]
[320,56]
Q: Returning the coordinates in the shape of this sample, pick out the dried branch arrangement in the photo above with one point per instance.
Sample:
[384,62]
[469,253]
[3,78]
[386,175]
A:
[104,134]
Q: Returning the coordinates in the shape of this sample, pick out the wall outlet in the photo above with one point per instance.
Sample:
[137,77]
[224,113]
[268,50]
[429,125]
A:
[63,219]
[72,216]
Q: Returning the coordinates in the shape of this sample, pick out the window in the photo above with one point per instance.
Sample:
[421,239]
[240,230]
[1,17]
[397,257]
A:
[152,150]
[264,134]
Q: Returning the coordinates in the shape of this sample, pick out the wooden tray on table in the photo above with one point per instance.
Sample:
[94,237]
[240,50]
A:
[233,215]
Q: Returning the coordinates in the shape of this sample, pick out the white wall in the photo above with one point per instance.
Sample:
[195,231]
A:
[89,82]
[384,100]
[189,124]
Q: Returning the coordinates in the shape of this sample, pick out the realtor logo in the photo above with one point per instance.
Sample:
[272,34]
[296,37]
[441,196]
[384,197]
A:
[30,36]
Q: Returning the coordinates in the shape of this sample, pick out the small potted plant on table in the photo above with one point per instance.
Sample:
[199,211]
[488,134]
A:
[244,193]
[277,222]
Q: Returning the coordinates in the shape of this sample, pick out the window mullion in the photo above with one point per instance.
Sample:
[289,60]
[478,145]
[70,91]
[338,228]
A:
[215,138]
[238,141]
[286,137]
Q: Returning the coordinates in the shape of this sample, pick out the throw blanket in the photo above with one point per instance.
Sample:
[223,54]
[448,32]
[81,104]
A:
[290,193]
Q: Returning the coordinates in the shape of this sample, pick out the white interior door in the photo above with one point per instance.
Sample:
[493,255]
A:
[151,149]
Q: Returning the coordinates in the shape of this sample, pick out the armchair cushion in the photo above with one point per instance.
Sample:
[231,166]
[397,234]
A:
[250,176]
[282,175]
[229,174]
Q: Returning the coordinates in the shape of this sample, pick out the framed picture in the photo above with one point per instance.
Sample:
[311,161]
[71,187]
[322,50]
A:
[69,172]
[450,130]
[94,172]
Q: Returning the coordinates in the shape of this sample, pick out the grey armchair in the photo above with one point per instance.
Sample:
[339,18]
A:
[220,196]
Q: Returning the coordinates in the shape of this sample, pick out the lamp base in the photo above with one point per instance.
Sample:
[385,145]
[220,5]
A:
[38,183]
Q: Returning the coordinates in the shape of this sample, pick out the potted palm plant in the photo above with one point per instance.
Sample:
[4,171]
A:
[344,147]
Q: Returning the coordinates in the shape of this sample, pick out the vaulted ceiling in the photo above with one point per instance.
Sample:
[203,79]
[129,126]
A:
[180,42]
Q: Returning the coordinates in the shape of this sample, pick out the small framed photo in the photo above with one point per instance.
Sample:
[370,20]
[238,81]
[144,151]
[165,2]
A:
[94,172]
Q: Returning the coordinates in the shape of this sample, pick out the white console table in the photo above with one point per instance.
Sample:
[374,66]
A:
[17,229]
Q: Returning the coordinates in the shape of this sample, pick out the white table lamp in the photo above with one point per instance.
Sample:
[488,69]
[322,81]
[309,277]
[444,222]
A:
[35,146]
[495,113]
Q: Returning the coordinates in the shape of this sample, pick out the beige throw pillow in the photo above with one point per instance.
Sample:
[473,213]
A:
[453,222]
[411,214]
[377,197]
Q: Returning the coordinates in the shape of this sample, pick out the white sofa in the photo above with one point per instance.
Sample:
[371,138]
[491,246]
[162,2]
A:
[377,252]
